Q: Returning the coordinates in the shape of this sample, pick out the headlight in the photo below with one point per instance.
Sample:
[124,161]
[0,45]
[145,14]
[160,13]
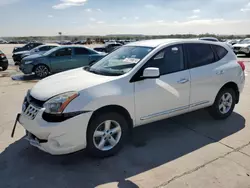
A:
[27,62]
[57,104]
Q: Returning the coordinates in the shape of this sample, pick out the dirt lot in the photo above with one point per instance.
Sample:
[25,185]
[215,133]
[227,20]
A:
[192,150]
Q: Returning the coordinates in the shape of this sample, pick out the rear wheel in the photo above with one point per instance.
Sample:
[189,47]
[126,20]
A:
[4,68]
[224,104]
[41,71]
[106,134]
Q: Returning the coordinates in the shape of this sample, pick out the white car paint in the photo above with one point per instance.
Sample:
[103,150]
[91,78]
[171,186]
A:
[146,101]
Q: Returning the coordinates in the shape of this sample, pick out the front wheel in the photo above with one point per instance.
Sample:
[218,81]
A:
[41,71]
[224,104]
[106,134]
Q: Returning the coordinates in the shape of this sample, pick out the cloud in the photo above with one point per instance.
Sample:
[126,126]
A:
[196,11]
[88,10]
[160,21]
[92,19]
[124,18]
[193,17]
[50,16]
[99,10]
[246,8]
[69,3]
[136,18]
[100,22]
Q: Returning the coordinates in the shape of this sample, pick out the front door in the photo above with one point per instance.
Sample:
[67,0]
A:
[163,97]
[61,60]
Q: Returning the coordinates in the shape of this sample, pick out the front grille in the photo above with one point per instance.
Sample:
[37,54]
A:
[31,112]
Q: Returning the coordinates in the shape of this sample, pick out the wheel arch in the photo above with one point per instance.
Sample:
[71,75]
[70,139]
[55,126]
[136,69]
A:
[233,86]
[113,108]
[33,70]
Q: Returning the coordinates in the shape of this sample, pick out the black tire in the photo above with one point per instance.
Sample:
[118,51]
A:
[17,63]
[215,110]
[95,123]
[4,68]
[41,71]
[248,55]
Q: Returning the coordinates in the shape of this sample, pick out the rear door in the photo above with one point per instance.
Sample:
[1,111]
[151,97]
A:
[81,57]
[61,60]
[204,70]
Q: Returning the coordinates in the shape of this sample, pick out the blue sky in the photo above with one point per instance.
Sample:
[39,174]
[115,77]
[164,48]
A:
[101,17]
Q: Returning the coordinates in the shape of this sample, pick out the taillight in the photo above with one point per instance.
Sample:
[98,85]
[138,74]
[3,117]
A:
[241,63]
[2,56]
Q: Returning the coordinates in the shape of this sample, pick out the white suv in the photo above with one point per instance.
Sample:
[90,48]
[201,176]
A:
[142,82]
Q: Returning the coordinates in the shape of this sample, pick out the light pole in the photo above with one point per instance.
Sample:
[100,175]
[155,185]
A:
[60,33]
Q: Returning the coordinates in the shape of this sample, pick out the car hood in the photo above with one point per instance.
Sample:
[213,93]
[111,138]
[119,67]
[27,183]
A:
[31,57]
[241,45]
[72,80]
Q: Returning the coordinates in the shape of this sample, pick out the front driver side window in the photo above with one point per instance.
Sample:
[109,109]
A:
[63,52]
[168,60]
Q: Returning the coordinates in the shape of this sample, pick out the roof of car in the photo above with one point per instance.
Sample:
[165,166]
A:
[156,42]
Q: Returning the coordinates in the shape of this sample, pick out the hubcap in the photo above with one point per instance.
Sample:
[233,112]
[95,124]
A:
[225,103]
[107,135]
[41,71]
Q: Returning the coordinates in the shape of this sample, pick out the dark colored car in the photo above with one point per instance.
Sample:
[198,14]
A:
[107,48]
[27,47]
[18,56]
[3,61]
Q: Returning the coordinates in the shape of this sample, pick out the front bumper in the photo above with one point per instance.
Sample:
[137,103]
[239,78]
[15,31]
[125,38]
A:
[56,138]
[26,69]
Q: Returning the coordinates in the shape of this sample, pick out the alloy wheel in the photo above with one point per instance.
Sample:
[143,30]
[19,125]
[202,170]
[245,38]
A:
[225,103]
[41,71]
[107,135]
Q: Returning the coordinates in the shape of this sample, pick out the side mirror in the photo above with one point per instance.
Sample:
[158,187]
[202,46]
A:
[151,72]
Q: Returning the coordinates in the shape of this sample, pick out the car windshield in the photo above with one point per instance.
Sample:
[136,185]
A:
[51,51]
[245,42]
[120,61]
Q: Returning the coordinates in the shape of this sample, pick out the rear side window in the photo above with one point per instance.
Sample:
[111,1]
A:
[221,52]
[81,51]
[199,54]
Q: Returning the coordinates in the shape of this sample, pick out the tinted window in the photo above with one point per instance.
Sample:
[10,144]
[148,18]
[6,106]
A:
[169,60]
[44,48]
[221,52]
[81,51]
[200,55]
[64,52]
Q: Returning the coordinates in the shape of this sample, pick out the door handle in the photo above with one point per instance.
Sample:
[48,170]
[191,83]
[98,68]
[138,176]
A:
[220,72]
[183,81]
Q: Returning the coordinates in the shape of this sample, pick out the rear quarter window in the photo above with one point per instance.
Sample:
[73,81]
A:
[220,51]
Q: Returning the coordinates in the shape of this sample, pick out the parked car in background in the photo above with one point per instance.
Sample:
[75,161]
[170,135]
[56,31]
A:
[108,47]
[242,47]
[59,59]
[81,42]
[213,39]
[26,47]
[3,61]
[140,83]
[210,39]
[18,56]
[2,41]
